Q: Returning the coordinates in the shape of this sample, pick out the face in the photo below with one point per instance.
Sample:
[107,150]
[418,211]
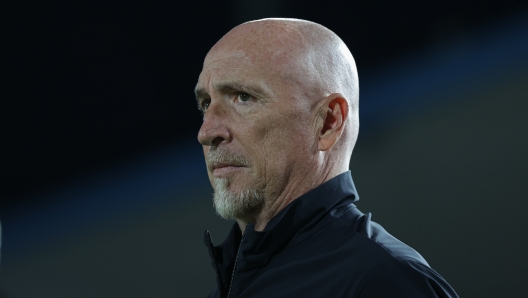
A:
[258,132]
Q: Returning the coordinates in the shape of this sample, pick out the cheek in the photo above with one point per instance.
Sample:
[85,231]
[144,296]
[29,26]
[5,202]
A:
[284,139]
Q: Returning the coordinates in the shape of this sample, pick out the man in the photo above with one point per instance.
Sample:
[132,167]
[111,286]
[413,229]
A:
[280,119]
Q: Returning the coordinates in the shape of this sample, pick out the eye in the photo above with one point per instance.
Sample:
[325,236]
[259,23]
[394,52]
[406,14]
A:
[204,105]
[243,97]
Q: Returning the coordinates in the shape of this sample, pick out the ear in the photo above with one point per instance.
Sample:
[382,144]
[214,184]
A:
[334,113]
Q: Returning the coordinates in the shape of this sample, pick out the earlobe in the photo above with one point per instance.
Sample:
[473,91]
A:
[334,120]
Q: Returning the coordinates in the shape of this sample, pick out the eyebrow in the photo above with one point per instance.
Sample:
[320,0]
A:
[200,93]
[228,87]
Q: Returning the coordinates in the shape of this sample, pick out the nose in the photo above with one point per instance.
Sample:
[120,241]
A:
[214,128]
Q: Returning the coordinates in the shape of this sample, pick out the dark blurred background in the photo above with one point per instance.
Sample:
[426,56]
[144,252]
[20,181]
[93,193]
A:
[104,191]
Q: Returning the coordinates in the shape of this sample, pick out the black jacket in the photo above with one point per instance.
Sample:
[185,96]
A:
[321,245]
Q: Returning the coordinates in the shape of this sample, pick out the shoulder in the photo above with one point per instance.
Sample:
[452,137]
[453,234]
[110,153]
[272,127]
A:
[394,269]
[404,278]
[386,244]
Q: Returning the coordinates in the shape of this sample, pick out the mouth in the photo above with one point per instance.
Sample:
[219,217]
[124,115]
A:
[221,169]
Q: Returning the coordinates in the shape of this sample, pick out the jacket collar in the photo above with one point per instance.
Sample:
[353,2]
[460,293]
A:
[298,219]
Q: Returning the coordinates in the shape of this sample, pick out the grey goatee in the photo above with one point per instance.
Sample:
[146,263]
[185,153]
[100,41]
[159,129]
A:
[228,203]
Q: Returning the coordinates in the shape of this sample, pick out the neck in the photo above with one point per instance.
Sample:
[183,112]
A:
[287,194]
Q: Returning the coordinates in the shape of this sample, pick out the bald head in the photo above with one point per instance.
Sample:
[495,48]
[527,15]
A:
[280,104]
[305,54]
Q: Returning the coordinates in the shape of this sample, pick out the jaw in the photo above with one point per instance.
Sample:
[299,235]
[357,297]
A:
[240,203]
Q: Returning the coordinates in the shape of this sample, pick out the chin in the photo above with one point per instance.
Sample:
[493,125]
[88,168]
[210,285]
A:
[235,203]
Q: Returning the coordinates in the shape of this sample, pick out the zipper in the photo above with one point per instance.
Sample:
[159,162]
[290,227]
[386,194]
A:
[234,268]
[209,243]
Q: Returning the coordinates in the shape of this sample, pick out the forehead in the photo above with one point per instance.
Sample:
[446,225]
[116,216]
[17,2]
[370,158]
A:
[243,68]
[255,54]
[226,64]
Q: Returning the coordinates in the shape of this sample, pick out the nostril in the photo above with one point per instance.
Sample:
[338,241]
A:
[217,141]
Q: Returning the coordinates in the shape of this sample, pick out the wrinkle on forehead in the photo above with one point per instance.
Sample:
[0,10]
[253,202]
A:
[226,57]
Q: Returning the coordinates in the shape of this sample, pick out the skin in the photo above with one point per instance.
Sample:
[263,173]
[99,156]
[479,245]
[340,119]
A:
[283,95]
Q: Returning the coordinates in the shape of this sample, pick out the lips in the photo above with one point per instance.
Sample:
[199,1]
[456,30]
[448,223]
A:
[225,166]
[221,169]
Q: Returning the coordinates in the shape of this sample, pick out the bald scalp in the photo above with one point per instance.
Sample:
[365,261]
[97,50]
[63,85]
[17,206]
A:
[309,56]
[301,49]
